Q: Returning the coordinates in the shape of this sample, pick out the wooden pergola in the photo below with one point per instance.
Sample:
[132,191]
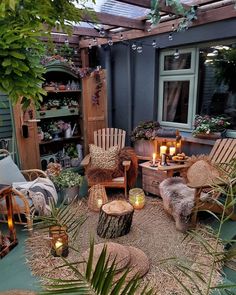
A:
[119,28]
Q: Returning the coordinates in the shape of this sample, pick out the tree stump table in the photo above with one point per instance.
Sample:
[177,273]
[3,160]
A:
[115,219]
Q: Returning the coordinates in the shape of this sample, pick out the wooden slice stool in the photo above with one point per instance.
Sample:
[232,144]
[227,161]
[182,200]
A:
[115,219]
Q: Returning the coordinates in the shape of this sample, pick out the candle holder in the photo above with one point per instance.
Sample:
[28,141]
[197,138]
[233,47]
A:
[153,165]
[97,197]
[137,198]
[59,241]
[164,160]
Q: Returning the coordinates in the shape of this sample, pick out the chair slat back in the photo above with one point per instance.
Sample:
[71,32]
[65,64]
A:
[223,151]
[108,137]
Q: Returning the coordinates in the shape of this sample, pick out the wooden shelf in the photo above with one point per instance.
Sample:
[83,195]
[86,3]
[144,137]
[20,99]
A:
[53,113]
[60,139]
[63,91]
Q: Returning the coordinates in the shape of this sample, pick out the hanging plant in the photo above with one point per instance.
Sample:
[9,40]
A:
[189,15]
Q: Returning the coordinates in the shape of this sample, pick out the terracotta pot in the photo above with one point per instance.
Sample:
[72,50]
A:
[213,135]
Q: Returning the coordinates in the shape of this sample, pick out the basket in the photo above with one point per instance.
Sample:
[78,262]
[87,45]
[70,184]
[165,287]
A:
[97,197]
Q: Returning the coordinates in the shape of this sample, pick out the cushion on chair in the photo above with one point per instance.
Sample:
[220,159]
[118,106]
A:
[9,172]
[104,159]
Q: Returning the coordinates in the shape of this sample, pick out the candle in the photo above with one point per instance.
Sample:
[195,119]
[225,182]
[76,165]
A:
[163,149]
[58,247]
[10,223]
[153,159]
[172,150]
[99,203]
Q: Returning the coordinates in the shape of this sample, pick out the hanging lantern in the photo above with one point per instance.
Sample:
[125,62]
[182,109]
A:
[97,197]
[7,242]
[59,241]
[137,198]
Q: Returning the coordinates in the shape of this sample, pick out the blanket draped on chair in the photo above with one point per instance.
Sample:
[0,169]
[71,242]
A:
[98,175]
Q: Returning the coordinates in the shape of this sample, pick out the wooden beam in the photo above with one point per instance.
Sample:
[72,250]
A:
[114,20]
[147,4]
[204,17]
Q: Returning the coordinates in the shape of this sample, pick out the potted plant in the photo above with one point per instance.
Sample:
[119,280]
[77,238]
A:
[71,151]
[143,137]
[67,183]
[210,126]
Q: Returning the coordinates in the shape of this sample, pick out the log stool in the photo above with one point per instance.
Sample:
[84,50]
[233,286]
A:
[115,219]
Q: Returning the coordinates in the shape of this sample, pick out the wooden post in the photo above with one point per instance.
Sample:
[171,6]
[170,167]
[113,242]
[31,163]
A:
[115,219]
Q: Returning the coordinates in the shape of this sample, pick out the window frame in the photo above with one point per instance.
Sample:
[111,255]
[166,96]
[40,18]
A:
[191,102]
[183,74]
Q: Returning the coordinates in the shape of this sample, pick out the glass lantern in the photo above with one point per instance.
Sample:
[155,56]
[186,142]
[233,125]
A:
[59,241]
[137,198]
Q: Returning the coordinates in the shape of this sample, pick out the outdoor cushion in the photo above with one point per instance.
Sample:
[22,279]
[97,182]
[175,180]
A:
[104,159]
[9,172]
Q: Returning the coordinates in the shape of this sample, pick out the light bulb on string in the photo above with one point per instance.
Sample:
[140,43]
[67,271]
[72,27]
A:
[66,41]
[170,37]
[102,33]
[95,41]
[75,51]
[154,44]
[121,37]
[134,46]
[140,48]
[110,42]
[173,27]
[99,45]
[90,46]
[176,54]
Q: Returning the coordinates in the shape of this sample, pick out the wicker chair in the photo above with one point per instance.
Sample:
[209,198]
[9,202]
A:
[21,207]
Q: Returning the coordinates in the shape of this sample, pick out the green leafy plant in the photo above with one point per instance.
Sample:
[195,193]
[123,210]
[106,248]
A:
[188,15]
[23,24]
[67,178]
[100,281]
[62,216]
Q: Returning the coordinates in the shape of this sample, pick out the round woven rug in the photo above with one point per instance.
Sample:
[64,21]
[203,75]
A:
[153,232]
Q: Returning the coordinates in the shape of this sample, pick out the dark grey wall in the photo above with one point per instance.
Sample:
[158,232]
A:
[132,86]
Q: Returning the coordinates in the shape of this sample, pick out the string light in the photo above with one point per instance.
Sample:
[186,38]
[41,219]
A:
[121,37]
[170,37]
[110,42]
[102,32]
[95,41]
[134,46]
[90,46]
[75,51]
[154,44]
[176,54]
[140,48]
[66,41]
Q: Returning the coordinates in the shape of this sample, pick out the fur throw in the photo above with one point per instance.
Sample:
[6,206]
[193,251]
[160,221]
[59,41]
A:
[97,175]
[178,200]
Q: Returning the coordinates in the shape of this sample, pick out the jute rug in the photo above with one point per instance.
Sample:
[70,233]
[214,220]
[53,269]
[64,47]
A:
[152,231]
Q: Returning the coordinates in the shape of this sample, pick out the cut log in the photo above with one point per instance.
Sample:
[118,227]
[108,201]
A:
[115,219]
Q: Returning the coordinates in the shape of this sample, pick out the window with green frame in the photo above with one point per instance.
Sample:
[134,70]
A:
[177,91]
[198,81]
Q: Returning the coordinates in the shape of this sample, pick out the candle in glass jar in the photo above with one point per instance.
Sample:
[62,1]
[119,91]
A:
[153,159]
[58,247]
[172,150]
[163,149]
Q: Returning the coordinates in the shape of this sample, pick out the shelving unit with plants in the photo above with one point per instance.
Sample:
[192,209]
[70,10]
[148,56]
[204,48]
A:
[60,126]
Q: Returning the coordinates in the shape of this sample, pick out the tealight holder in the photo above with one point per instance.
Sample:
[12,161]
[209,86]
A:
[153,165]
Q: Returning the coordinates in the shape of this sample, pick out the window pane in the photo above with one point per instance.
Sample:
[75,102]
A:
[217,82]
[176,101]
[183,62]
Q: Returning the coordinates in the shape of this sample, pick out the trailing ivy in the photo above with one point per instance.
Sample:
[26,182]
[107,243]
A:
[188,14]
[23,23]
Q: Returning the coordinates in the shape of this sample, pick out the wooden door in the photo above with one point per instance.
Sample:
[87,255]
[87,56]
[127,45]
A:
[26,137]
[94,105]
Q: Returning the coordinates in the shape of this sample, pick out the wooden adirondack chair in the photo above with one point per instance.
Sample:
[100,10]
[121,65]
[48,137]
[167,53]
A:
[223,151]
[106,138]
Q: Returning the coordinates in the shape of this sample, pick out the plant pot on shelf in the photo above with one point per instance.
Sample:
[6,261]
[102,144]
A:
[212,135]
[144,148]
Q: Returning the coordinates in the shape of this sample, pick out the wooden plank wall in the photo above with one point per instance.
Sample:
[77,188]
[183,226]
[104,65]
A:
[5,117]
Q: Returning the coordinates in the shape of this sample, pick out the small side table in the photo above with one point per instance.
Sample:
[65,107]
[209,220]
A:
[153,176]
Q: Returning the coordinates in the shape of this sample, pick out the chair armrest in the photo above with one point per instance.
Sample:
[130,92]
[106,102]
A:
[86,160]
[32,174]
[216,182]
[126,165]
